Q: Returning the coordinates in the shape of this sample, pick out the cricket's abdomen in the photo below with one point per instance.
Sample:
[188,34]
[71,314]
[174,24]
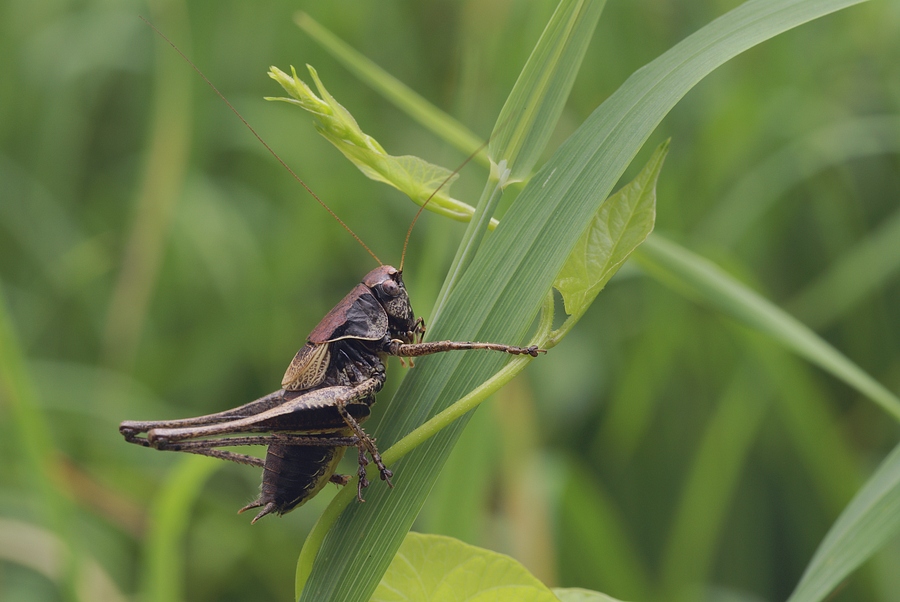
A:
[293,474]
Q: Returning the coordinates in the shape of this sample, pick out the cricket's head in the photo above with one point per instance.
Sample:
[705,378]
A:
[386,283]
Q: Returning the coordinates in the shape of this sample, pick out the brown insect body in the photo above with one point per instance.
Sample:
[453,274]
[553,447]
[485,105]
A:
[327,393]
[345,349]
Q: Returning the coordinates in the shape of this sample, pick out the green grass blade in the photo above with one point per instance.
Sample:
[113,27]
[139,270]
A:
[528,118]
[870,521]
[860,271]
[498,297]
[710,487]
[532,109]
[161,187]
[17,391]
[596,529]
[163,578]
[763,185]
[689,272]
[393,89]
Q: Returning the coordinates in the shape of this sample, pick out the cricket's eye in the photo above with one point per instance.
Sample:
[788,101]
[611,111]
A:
[391,288]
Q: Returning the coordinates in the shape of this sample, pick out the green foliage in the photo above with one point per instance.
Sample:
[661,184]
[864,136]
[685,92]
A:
[532,110]
[156,263]
[623,222]
[437,568]
[871,520]
[415,177]
[708,283]
[576,594]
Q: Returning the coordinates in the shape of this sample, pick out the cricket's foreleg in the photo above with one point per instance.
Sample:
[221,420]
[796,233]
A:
[401,349]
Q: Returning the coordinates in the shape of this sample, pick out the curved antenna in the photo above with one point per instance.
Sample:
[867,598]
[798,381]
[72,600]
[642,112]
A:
[269,148]
[431,196]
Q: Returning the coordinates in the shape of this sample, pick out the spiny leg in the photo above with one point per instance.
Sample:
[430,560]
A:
[364,441]
[361,472]
[222,454]
[401,349]
[264,439]
[131,428]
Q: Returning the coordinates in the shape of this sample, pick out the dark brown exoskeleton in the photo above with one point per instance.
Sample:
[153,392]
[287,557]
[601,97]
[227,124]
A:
[327,392]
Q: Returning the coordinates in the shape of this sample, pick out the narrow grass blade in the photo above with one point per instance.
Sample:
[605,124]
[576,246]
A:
[532,109]
[871,520]
[860,271]
[527,119]
[163,178]
[710,487]
[18,393]
[163,577]
[703,279]
[764,184]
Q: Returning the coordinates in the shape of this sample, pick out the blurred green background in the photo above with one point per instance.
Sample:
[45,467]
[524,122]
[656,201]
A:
[156,262]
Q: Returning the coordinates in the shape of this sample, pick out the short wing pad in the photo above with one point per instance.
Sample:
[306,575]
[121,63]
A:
[308,367]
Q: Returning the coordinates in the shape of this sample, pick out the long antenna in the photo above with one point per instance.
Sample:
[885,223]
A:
[431,196]
[269,148]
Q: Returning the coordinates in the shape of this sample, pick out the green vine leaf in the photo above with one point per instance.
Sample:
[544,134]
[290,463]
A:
[577,594]
[435,568]
[622,223]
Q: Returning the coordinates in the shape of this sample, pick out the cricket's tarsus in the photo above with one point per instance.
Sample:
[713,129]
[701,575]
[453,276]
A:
[327,391]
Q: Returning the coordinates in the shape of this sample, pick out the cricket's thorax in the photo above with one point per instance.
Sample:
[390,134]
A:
[352,362]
